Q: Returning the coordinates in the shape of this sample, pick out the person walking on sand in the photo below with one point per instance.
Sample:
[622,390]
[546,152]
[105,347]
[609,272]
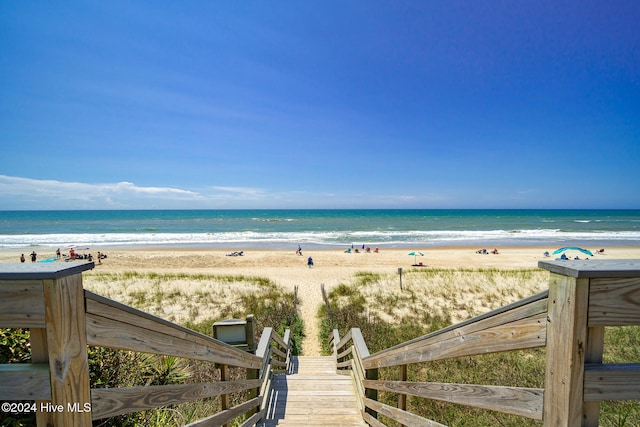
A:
[33,256]
[22,258]
[310,262]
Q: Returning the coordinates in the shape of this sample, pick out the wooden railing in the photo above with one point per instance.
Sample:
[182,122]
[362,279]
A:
[569,319]
[63,319]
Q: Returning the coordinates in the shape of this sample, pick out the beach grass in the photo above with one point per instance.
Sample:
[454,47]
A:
[196,301]
[432,299]
[192,300]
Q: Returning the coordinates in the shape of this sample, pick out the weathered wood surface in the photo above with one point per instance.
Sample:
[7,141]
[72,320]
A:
[614,302]
[42,270]
[109,402]
[22,304]
[225,416]
[67,348]
[526,402]
[594,268]
[612,382]
[25,381]
[519,328]
[40,354]
[313,395]
[566,340]
[405,418]
[111,324]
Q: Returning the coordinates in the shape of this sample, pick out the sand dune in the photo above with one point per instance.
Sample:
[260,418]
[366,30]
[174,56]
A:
[332,267]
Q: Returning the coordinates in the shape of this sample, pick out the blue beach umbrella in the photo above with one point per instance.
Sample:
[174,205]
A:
[415,254]
[561,250]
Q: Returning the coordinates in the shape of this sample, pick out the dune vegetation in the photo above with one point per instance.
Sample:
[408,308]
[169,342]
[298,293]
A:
[432,299]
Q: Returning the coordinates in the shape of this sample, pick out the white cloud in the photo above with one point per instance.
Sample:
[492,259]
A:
[18,193]
[26,193]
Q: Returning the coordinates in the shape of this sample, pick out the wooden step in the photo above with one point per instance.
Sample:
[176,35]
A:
[312,395]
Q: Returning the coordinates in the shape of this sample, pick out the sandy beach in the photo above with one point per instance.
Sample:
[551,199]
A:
[331,266]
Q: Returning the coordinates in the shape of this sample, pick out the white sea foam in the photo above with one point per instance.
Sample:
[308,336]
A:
[331,238]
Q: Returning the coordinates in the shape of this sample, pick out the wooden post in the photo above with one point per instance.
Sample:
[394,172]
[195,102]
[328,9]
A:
[224,398]
[372,374]
[253,374]
[566,346]
[57,324]
[402,397]
[67,350]
[595,348]
[585,296]
[40,354]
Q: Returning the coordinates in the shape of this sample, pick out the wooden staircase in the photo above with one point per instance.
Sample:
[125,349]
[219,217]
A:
[312,395]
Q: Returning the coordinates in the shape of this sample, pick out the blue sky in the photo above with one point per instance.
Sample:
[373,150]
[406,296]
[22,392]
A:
[319,104]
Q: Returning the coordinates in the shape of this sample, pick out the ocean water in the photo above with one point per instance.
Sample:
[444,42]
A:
[318,228]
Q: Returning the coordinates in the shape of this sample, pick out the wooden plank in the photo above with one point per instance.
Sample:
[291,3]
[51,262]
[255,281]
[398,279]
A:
[614,302]
[358,377]
[406,418]
[224,398]
[525,402]
[402,397]
[252,420]
[595,348]
[109,402]
[373,422]
[40,354]
[344,340]
[345,364]
[277,339]
[345,353]
[335,339]
[22,304]
[287,339]
[108,322]
[566,338]
[265,343]
[519,334]
[279,363]
[358,342]
[42,270]
[279,353]
[25,381]
[414,351]
[593,268]
[110,333]
[224,417]
[67,347]
[612,382]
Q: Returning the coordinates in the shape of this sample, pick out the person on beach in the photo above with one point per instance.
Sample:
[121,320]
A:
[33,256]
[22,258]
[299,251]
[58,253]
[310,262]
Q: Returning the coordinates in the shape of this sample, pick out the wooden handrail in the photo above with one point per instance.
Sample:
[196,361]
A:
[568,320]
[64,319]
[527,308]
[115,325]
